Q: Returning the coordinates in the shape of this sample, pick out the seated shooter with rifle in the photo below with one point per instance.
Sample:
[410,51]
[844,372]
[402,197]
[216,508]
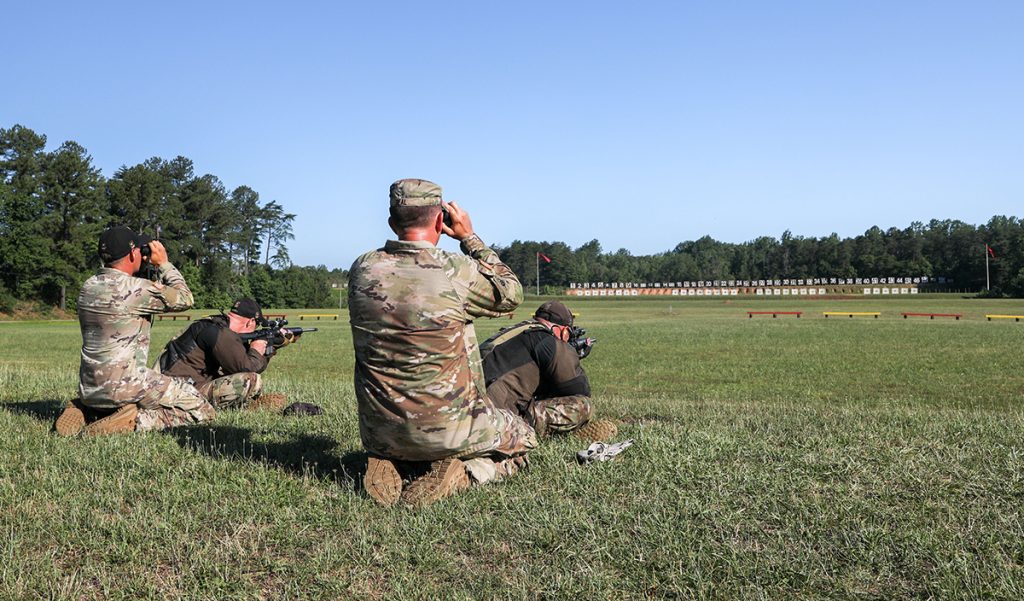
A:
[533,368]
[224,355]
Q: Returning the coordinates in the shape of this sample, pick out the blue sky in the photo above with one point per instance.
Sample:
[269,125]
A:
[639,124]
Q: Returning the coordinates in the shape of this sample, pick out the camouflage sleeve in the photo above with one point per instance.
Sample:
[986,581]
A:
[170,294]
[492,287]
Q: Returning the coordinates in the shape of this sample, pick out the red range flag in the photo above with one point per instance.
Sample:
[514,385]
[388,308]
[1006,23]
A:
[547,260]
[990,251]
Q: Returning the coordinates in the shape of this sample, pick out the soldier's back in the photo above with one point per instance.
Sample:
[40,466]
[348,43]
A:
[115,340]
[414,344]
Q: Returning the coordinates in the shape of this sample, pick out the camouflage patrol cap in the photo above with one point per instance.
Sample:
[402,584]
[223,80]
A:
[555,312]
[415,193]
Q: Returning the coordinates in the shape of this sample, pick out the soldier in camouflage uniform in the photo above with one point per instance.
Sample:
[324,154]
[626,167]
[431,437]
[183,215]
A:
[115,312]
[418,376]
[532,369]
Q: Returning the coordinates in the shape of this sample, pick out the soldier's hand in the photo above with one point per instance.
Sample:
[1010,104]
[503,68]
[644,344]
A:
[462,227]
[285,338]
[260,346]
[585,348]
[157,253]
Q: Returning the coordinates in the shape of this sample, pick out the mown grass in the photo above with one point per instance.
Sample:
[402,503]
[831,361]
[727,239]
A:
[774,458]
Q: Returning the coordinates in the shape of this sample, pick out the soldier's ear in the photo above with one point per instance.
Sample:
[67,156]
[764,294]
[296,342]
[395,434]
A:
[394,228]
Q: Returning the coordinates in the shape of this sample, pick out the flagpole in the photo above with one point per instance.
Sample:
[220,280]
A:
[537,256]
[986,267]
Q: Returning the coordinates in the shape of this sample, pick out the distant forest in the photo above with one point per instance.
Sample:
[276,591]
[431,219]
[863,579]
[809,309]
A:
[948,249]
[229,243]
[53,206]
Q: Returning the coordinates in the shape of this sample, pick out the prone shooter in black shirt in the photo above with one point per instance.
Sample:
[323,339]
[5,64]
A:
[532,369]
[223,366]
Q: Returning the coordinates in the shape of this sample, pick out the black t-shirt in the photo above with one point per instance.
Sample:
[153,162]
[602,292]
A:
[534,364]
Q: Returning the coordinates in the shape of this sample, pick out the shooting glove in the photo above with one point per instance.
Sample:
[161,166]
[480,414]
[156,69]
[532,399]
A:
[284,338]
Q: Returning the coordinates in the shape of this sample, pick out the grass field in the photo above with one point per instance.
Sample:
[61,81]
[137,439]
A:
[774,458]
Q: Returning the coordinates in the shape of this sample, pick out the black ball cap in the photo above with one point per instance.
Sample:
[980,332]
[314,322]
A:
[118,241]
[247,307]
[555,312]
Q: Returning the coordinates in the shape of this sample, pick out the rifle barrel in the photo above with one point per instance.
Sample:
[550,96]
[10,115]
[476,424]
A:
[268,333]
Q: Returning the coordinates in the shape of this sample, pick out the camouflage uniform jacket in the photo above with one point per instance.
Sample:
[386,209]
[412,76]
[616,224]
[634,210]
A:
[115,313]
[418,375]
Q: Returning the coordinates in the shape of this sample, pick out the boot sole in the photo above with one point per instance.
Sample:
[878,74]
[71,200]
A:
[70,422]
[601,430]
[121,421]
[268,401]
[382,481]
[445,478]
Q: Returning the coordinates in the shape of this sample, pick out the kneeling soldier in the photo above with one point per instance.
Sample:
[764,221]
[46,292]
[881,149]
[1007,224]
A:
[225,368]
[115,312]
[532,369]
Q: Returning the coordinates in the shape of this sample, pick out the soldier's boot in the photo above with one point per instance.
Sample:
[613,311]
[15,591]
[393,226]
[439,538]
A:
[270,401]
[382,481]
[598,430]
[71,421]
[445,478]
[120,421]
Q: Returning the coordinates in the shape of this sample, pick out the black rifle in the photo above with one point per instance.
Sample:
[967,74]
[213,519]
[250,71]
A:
[270,330]
[579,342]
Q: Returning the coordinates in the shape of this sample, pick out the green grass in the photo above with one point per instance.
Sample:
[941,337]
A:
[774,458]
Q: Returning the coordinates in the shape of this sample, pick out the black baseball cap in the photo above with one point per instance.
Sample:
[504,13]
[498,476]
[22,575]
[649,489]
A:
[118,241]
[247,307]
[555,312]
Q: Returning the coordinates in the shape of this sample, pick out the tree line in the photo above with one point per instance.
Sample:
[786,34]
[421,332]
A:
[227,243]
[54,204]
[947,249]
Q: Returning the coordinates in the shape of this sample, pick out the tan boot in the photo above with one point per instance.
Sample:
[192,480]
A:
[598,430]
[120,421]
[382,481]
[445,478]
[71,420]
[269,401]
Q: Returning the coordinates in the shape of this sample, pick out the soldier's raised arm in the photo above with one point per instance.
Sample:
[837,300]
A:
[491,287]
[495,289]
[170,294]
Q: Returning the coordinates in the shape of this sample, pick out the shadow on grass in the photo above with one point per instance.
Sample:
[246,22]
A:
[307,455]
[45,410]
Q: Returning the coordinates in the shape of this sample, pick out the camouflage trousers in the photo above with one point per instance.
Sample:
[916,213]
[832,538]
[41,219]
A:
[558,415]
[164,402]
[233,391]
[506,454]
[495,440]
